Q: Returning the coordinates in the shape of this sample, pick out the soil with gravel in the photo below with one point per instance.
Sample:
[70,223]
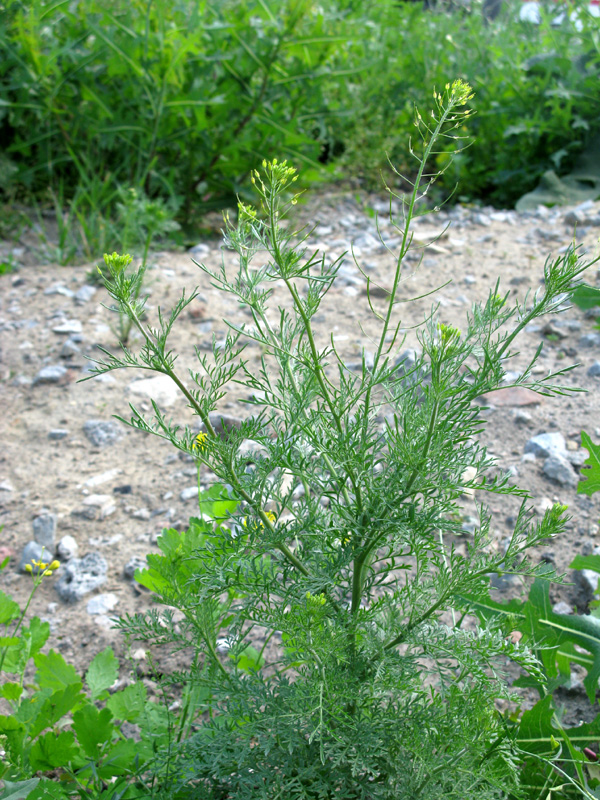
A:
[112,489]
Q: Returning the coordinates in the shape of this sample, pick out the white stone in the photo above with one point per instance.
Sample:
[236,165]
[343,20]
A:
[67,548]
[68,326]
[160,389]
[102,603]
[104,477]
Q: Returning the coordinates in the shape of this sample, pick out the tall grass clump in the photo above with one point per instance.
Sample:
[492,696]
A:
[328,608]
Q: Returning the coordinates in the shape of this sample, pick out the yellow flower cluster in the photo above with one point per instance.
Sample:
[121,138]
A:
[268,514]
[199,442]
[45,568]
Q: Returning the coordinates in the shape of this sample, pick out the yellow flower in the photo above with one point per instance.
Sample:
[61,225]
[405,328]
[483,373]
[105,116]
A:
[28,568]
[200,441]
[270,516]
[54,565]
[47,572]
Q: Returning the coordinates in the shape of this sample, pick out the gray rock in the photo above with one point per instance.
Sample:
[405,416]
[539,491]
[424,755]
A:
[481,219]
[58,288]
[200,250]
[84,294]
[68,326]
[587,580]
[521,417]
[102,433]
[594,370]
[223,423]
[33,551]
[53,373]
[80,576]
[69,349]
[560,470]
[67,548]
[562,608]
[44,531]
[589,340]
[102,603]
[133,565]
[161,389]
[546,444]
[574,217]
[189,493]
[56,434]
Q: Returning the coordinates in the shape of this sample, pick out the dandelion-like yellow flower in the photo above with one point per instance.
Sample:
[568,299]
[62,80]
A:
[270,516]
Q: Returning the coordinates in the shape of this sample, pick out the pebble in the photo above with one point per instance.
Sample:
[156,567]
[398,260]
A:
[562,608]
[69,349]
[161,389]
[53,373]
[594,370]
[587,580]
[102,433]
[6,486]
[68,326]
[102,603]
[67,548]
[560,470]
[80,576]
[58,288]
[574,217]
[546,444]
[84,294]
[189,493]
[133,565]
[589,340]
[33,551]
[44,531]
[521,417]
[104,477]
[56,434]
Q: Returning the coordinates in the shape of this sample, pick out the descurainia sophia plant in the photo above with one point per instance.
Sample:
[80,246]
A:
[326,567]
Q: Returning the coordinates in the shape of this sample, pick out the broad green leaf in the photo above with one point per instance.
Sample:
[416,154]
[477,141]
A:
[586,297]
[9,641]
[124,758]
[52,750]
[249,660]
[9,610]
[48,790]
[18,790]
[586,562]
[591,483]
[216,503]
[11,691]
[53,671]
[102,673]
[129,703]
[93,728]
[55,707]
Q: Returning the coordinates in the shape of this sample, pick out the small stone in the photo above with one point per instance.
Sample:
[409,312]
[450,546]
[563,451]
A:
[589,340]
[133,565]
[142,513]
[6,486]
[84,294]
[521,417]
[543,506]
[68,327]
[102,603]
[67,548]
[594,370]
[223,423]
[69,349]
[199,250]
[104,477]
[587,579]
[56,434]
[546,444]
[562,608]
[551,330]
[161,389]
[574,217]
[481,219]
[44,531]
[189,493]
[102,433]
[33,551]
[50,374]
[511,396]
[560,470]
[80,576]
[58,288]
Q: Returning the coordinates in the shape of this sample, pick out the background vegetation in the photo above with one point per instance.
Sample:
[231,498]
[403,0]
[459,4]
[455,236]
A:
[180,100]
